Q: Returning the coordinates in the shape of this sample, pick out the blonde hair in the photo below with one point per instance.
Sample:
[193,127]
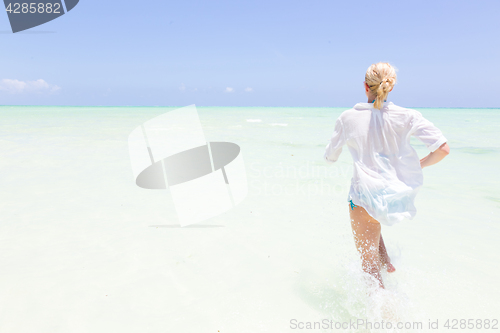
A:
[380,78]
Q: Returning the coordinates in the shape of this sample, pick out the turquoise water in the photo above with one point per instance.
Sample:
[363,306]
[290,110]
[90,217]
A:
[83,249]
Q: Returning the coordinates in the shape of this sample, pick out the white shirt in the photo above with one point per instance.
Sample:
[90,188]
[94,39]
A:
[387,172]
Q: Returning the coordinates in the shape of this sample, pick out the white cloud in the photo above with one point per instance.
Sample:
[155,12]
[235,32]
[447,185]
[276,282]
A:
[19,87]
[182,87]
[229,90]
[248,89]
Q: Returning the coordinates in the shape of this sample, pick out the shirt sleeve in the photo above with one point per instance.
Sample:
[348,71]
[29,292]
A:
[426,132]
[334,147]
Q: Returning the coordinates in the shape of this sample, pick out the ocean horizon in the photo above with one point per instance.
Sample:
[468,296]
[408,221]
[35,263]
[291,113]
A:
[236,106]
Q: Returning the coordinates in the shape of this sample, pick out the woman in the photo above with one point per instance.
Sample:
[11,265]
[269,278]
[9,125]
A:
[387,172]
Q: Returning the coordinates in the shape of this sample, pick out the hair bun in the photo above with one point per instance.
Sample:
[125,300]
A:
[380,78]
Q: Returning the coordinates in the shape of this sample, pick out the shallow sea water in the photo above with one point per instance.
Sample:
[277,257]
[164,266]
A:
[83,249]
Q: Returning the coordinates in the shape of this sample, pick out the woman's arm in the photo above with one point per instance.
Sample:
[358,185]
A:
[435,156]
[334,147]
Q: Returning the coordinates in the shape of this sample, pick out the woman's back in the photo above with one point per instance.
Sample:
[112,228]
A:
[387,173]
[369,129]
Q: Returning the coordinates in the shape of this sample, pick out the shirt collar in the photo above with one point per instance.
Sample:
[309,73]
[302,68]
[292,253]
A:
[368,106]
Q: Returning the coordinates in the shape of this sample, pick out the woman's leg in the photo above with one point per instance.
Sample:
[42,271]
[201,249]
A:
[366,231]
[384,257]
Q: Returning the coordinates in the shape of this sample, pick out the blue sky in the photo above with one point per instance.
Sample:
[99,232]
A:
[254,53]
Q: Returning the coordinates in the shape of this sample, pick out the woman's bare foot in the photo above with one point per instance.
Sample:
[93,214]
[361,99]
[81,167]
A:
[376,274]
[386,263]
[390,268]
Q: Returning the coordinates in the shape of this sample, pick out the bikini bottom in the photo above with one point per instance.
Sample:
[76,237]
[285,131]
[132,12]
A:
[352,205]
